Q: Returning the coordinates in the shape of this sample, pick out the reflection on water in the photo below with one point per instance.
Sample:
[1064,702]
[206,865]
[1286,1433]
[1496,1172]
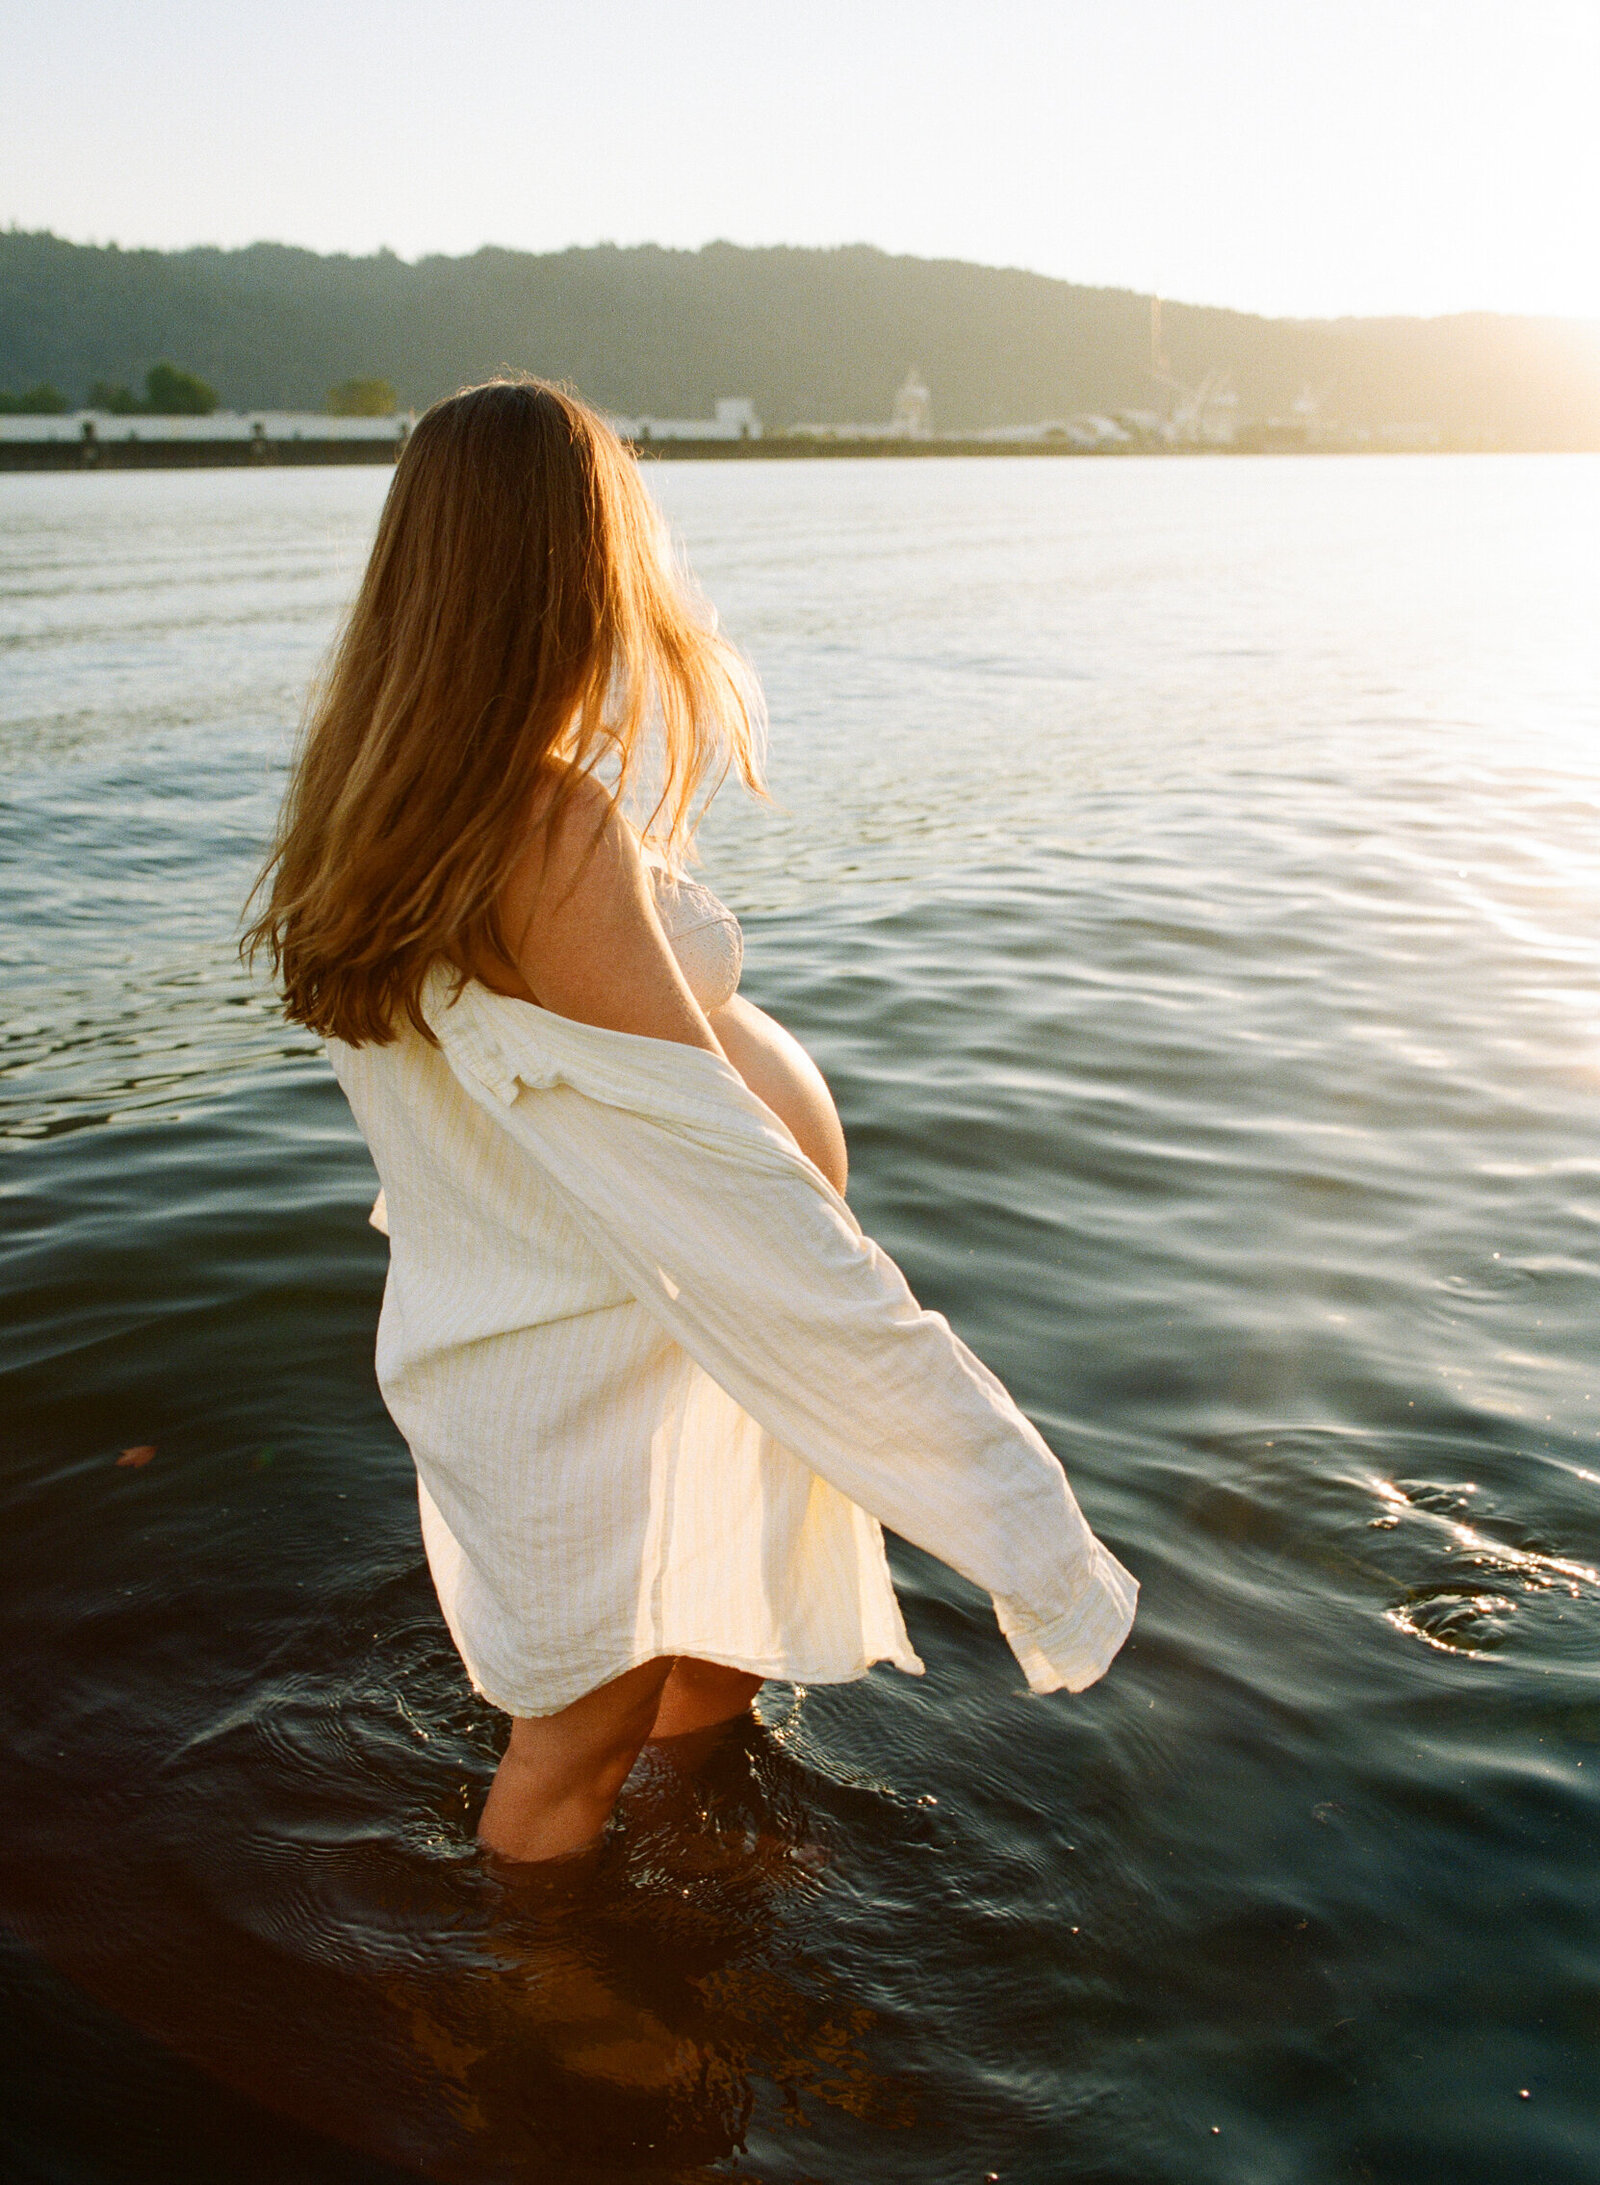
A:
[1185,874]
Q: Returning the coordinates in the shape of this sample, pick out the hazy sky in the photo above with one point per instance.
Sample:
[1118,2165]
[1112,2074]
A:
[1297,156]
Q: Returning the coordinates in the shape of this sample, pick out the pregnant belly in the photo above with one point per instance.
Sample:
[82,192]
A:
[778,1070]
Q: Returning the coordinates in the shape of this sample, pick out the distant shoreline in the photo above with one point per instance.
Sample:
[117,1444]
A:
[796,334]
[266,454]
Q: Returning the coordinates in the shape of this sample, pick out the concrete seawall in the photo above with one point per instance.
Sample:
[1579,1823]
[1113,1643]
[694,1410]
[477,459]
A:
[130,452]
[134,454]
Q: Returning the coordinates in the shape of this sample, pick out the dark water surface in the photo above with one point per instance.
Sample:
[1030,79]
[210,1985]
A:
[1188,879]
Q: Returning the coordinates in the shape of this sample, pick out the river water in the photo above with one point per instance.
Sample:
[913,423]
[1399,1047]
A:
[1186,874]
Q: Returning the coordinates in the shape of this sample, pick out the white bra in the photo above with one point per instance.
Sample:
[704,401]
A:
[703,933]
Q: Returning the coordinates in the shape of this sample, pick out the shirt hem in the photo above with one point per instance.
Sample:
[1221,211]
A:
[768,1668]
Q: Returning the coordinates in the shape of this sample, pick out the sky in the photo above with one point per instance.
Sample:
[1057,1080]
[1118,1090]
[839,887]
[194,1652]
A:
[1298,157]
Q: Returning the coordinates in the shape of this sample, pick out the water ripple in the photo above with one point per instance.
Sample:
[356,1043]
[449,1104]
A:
[1185,876]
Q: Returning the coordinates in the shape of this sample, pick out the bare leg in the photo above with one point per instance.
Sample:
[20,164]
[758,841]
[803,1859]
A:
[702,1696]
[561,1773]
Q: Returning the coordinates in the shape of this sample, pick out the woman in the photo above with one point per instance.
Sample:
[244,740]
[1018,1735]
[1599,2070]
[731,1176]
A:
[659,1388]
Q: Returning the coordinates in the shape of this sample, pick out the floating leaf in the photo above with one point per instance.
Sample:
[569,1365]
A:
[139,1456]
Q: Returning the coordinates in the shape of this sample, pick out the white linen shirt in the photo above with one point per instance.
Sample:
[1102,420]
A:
[661,1391]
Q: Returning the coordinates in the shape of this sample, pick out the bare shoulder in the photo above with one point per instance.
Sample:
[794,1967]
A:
[569,822]
[579,917]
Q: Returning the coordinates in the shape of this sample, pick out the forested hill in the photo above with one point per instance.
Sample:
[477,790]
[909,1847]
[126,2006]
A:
[822,335]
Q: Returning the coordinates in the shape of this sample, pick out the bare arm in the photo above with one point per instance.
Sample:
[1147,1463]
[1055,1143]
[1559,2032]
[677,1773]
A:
[580,913]
[580,918]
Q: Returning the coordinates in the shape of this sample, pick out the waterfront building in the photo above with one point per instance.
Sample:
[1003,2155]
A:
[913,407]
[1088,430]
[222,425]
[734,418]
[910,417]
[132,440]
[1206,416]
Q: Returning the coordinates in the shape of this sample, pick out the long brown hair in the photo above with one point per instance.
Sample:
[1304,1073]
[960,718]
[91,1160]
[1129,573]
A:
[521,624]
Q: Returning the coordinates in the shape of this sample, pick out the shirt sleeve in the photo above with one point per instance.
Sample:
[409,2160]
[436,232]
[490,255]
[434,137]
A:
[749,1259]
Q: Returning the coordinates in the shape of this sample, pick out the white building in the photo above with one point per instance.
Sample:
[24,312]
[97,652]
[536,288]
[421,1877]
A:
[1088,430]
[911,417]
[83,425]
[735,419]
[913,407]
[1206,416]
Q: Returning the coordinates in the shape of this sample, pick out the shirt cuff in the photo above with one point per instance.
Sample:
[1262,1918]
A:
[1077,1647]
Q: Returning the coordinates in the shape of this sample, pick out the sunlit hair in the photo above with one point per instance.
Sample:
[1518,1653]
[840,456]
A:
[521,624]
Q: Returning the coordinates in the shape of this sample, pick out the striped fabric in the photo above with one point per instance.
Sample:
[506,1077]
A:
[662,1392]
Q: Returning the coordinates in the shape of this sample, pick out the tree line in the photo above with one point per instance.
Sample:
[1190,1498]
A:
[809,335]
[170,391]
